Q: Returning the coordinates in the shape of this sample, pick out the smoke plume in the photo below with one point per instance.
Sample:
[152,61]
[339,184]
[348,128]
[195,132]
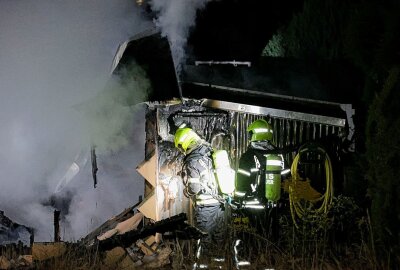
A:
[55,57]
[175,18]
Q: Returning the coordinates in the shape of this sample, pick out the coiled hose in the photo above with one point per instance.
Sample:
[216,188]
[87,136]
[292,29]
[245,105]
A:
[298,207]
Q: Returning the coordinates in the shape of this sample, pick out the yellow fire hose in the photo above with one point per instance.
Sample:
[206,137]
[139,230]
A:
[300,191]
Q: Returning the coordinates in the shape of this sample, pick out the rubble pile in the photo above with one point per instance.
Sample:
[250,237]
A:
[21,262]
[15,244]
[14,233]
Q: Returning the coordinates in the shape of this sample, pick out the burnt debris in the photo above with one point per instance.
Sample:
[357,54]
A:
[14,233]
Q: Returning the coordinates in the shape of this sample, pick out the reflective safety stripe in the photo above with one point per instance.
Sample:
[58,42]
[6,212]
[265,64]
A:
[274,163]
[244,172]
[262,130]
[183,138]
[283,161]
[204,199]
[194,180]
[240,194]
[253,202]
[207,202]
[285,171]
[254,206]
[256,161]
[198,250]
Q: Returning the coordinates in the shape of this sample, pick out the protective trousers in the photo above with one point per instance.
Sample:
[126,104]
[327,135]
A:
[211,219]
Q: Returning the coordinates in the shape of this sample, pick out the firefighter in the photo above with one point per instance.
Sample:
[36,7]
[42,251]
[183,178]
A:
[201,184]
[258,179]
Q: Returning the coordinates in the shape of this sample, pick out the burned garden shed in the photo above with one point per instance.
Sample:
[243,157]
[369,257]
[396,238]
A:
[219,100]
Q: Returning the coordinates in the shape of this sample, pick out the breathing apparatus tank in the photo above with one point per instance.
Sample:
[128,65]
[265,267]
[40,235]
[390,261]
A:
[274,166]
[224,173]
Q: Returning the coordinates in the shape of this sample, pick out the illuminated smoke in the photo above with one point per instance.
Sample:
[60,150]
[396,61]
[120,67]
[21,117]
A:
[175,18]
[55,56]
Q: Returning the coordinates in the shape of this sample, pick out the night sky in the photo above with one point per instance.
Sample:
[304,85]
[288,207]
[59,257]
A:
[238,30]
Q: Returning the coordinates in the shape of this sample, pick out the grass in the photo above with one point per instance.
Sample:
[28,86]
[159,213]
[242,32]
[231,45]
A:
[343,239]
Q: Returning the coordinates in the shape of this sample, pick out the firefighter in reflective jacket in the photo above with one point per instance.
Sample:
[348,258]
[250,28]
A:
[201,184]
[258,178]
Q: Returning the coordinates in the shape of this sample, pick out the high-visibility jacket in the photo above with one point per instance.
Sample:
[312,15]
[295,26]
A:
[200,182]
[258,175]
[198,175]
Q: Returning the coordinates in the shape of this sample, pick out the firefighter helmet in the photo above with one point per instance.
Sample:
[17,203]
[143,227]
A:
[260,130]
[185,138]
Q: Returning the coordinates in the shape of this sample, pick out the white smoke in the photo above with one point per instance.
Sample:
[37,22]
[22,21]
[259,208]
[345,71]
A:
[55,54]
[176,17]
[109,114]
[119,185]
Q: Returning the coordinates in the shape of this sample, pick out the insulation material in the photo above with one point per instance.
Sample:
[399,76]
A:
[4,263]
[149,207]
[148,169]
[148,246]
[117,259]
[123,227]
[170,188]
[45,251]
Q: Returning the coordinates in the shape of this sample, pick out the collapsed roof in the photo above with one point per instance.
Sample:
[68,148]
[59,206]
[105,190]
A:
[152,53]
[269,82]
[287,88]
[13,233]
